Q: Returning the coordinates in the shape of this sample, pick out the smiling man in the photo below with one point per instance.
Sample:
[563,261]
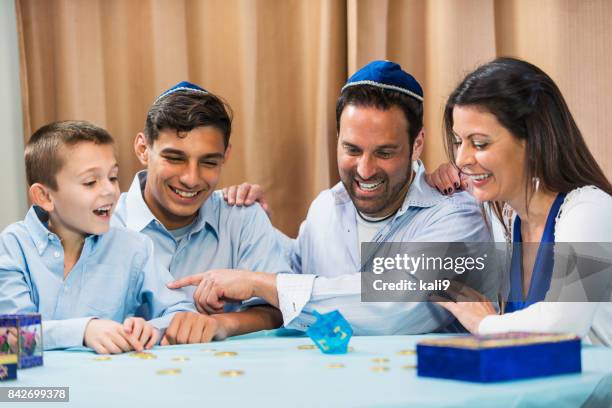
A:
[184,145]
[382,197]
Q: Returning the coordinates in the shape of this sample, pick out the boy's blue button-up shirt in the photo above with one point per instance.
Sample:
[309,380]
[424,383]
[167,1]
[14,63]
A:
[222,236]
[115,274]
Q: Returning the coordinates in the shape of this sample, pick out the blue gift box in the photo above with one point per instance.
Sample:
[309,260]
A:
[21,334]
[8,367]
[499,357]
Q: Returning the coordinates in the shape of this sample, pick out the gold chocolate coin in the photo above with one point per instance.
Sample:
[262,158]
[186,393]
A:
[380,360]
[169,371]
[208,350]
[409,367]
[406,352]
[306,347]
[226,353]
[231,373]
[180,359]
[102,358]
[143,355]
[379,369]
[335,365]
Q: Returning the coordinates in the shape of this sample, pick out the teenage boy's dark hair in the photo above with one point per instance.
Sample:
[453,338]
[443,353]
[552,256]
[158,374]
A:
[44,155]
[184,111]
[383,99]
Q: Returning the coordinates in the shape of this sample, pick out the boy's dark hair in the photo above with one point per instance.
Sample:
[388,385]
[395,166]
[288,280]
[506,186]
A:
[383,99]
[43,152]
[184,111]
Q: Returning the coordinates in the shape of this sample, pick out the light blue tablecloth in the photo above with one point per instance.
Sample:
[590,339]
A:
[277,373]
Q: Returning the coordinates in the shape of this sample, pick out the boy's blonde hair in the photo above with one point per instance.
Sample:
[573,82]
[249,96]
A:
[44,157]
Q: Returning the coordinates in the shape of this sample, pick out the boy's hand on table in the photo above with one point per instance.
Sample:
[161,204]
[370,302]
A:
[109,337]
[142,330]
[190,327]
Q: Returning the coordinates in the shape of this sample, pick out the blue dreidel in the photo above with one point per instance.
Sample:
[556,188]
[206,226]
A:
[331,332]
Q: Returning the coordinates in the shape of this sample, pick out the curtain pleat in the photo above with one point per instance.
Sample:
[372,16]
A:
[281,63]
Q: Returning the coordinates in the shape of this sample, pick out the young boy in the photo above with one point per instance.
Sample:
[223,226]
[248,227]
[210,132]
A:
[66,263]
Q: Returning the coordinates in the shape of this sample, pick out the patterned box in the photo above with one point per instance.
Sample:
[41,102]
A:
[499,357]
[21,334]
[8,367]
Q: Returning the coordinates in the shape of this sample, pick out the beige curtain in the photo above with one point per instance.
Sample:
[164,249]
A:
[281,63]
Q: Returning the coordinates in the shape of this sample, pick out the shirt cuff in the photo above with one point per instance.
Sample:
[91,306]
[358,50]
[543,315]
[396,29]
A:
[162,323]
[294,292]
[488,325]
[61,334]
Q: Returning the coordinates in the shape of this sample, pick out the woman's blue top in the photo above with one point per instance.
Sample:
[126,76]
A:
[542,268]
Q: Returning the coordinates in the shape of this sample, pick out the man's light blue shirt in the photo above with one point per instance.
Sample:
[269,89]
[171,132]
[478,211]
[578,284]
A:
[222,236]
[326,256]
[115,274]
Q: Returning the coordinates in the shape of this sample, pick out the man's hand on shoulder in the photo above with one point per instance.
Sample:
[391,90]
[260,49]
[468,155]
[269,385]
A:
[246,194]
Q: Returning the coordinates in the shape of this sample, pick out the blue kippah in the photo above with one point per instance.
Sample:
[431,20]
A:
[386,75]
[182,86]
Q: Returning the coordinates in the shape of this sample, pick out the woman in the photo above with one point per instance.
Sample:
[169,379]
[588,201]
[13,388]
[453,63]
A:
[512,138]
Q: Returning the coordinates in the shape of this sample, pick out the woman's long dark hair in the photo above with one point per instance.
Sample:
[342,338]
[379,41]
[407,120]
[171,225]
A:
[529,104]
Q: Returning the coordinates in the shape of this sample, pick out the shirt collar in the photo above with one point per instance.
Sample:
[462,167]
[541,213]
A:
[420,193]
[36,222]
[209,214]
[139,215]
[37,228]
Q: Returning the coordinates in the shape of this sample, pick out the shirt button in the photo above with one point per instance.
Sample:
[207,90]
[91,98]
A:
[57,254]
[41,245]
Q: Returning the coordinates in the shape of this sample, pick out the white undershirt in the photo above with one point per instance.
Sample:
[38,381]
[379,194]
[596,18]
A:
[368,227]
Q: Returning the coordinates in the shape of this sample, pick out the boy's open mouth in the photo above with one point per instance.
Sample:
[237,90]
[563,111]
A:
[103,211]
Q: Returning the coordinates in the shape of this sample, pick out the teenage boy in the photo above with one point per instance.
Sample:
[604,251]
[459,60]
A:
[184,146]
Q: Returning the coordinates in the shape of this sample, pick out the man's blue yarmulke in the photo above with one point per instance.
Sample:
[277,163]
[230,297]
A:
[182,86]
[386,75]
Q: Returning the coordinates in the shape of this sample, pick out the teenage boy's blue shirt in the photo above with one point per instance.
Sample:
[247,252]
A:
[222,236]
[115,274]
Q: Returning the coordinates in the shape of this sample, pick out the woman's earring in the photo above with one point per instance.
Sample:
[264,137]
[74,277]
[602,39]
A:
[536,184]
